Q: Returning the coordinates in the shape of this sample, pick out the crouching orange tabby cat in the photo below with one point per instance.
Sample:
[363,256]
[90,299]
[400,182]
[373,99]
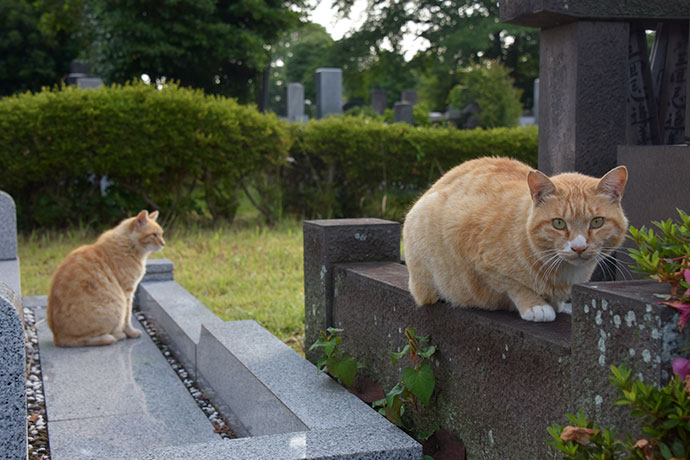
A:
[493,233]
[91,292]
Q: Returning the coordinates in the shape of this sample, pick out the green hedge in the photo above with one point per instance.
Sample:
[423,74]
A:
[190,155]
[351,166]
[176,150]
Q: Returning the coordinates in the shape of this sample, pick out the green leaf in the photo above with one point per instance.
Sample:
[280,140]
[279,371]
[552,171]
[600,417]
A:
[321,363]
[334,330]
[344,369]
[425,436]
[396,356]
[421,383]
[427,352]
[395,410]
[319,343]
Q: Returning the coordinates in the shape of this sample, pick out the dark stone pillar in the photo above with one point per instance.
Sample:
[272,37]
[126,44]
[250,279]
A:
[583,78]
[330,242]
[657,182]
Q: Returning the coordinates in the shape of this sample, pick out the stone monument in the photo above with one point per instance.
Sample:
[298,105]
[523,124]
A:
[402,112]
[329,92]
[295,102]
[379,100]
[13,441]
[409,96]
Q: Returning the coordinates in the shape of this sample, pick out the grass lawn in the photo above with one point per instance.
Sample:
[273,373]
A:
[238,272]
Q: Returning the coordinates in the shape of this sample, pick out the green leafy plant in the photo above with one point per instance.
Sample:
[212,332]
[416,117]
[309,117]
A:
[665,257]
[664,413]
[337,363]
[418,381]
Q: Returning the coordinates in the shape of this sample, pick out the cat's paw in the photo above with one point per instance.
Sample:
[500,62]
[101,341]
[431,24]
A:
[565,307]
[539,314]
[132,333]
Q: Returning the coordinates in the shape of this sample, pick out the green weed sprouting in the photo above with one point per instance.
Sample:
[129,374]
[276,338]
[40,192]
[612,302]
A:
[664,413]
[418,381]
[337,363]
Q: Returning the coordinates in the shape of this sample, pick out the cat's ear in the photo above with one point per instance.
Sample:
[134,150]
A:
[142,218]
[153,216]
[540,186]
[613,183]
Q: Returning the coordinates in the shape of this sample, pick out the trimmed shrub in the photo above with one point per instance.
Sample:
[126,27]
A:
[176,150]
[95,157]
[353,166]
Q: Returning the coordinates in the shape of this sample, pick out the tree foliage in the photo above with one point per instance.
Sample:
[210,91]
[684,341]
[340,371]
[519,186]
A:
[31,54]
[458,32]
[220,46]
[490,88]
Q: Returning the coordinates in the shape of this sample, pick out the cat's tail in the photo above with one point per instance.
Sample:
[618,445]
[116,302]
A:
[100,340]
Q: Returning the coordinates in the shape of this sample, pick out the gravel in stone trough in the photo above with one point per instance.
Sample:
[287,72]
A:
[35,401]
[219,423]
[36,421]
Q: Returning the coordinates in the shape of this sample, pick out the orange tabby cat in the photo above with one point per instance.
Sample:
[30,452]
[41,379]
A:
[493,233]
[91,292]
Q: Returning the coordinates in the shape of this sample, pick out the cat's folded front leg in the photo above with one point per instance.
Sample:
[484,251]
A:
[531,306]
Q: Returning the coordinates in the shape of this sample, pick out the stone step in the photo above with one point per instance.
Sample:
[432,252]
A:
[113,401]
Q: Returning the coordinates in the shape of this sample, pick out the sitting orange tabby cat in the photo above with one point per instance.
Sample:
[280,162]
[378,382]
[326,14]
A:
[91,292]
[493,233]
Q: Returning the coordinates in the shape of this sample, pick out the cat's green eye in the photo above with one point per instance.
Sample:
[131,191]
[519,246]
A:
[597,222]
[559,224]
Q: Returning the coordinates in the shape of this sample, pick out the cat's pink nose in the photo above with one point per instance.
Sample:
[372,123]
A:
[579,249]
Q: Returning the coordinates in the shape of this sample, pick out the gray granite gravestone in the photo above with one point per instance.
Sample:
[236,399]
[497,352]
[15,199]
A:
[13,442]
[402,112]
[8,227]
[9,263]
[409,96]
[329,91]
[295,102]
[378,100]
[89,83]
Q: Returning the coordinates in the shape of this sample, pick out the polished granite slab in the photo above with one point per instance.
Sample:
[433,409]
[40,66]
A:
[115,400]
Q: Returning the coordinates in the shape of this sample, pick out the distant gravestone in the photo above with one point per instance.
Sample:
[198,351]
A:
[409,96]
[329,92]
[402,112]
[295,102]
[13,441]
[379,101]
[89,83]
[8,227]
